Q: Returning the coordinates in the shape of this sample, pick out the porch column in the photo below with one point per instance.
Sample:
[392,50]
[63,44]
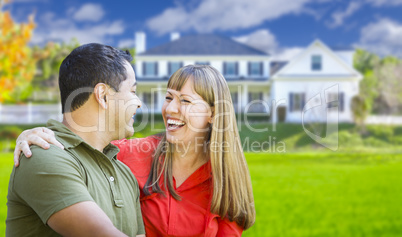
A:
[158,109]
[244,97]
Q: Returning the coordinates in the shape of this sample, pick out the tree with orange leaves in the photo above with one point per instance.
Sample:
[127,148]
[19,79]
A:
[17,64]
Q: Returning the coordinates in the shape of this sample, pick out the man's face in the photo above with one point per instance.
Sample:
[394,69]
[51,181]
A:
[123,106]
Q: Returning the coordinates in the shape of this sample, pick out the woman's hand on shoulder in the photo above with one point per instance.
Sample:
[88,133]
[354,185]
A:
[40,136]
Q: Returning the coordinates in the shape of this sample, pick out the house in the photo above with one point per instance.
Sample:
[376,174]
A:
[257,84]
[315,86]
[246,69]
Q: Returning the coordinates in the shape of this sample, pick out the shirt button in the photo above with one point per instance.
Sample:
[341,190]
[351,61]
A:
[111,179]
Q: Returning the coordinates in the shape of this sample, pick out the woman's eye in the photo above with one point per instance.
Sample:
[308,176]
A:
[185,101]
[168,98]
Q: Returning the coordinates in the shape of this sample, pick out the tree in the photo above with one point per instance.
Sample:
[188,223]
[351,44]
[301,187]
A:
[17,64]
[365,62]
[389,100]
[49,59]
[359,111]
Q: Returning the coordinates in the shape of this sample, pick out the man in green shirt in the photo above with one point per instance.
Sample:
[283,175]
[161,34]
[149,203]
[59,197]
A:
[82,190]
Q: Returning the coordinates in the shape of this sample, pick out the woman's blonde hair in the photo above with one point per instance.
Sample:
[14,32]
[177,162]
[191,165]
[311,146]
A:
[232,192]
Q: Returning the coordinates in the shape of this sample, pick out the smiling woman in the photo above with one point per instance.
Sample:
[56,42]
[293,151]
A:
[201,131]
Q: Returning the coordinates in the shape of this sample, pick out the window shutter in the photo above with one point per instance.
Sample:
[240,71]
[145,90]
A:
[156,68]
[169,68]
[341,101]
[250,97]
[303,101]
[144,73]
[249,68]
[181,64]
[236,68]
[261,68]
[224,68]
[291,102]
[261,96]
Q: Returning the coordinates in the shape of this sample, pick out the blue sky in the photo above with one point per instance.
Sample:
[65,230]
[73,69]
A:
[280,27]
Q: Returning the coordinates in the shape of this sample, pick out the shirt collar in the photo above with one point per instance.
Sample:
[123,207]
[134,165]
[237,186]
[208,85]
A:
[201,175]
[71,140]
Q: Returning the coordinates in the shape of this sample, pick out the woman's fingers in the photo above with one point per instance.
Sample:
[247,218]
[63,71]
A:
[21,147]
[51,138]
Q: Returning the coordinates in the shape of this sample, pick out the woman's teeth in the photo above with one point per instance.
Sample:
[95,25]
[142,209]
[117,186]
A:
[175,122]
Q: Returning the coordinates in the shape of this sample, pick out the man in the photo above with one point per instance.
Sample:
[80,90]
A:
[82,190]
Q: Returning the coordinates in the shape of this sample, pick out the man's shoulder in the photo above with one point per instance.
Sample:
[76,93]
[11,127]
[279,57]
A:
[44,159]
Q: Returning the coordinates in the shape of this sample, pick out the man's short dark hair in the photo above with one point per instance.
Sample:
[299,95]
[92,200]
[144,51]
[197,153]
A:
[87,66]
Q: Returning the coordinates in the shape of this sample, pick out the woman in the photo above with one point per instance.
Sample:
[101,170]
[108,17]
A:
[194,179]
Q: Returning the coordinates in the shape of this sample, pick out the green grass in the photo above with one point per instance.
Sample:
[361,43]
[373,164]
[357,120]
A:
[311,194]
[6,166]
[326,194]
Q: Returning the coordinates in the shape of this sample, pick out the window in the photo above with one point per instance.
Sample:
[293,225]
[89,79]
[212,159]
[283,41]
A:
[150,69]
[146,98]
[255,96]
[255,68]
[202,63]
[316,63]
[296,101]
[336,100]
[174,66]
[230,68]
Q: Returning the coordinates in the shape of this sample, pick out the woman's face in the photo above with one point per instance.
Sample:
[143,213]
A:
[186,115]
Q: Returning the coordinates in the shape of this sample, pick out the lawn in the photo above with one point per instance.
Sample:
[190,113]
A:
[312,194]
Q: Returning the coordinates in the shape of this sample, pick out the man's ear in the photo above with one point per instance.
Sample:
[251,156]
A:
[100,92]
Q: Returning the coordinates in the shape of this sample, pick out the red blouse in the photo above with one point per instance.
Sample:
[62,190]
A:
[166,216]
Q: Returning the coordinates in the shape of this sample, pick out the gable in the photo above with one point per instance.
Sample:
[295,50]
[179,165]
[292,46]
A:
[331,64]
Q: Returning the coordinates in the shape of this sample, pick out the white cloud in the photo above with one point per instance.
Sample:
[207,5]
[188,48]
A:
[339,16]
[260,39]
[89,12]
[51,28]
[126,43]
[380,3]
[264,40]
[211,15]
[287,54]
[382,37]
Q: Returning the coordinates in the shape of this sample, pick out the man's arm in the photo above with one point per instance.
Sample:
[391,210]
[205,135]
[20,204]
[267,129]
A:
[51,184]
[83,219]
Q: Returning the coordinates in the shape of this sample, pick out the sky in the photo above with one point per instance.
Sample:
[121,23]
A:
[280,27]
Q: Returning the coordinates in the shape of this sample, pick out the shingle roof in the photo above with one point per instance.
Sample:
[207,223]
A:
[276,66]
[203,44]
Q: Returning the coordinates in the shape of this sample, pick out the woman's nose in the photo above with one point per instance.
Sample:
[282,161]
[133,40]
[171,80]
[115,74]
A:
[173,107]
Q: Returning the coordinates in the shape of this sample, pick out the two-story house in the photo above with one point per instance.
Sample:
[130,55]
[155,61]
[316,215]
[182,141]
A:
[316,85]
[246,69]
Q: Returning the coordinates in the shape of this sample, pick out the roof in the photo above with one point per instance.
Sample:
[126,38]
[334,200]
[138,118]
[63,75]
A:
[276,66]
[204,44]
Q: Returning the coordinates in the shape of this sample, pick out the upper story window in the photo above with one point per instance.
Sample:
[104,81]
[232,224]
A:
[174,66]
[230,68]
[202,63]
[150,68]
[255,68]
[316,62]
